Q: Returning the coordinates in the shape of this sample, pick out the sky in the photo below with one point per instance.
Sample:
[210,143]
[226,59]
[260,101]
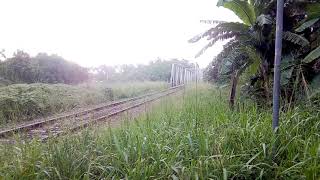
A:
[96,32]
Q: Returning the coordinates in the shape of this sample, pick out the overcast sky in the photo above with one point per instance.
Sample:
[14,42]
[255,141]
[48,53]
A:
[95,32]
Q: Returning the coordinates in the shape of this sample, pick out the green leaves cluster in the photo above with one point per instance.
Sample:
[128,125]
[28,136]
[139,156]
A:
[249,52]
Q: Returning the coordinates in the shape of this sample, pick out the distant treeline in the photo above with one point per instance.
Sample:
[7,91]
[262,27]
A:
[44,68]
[158,70]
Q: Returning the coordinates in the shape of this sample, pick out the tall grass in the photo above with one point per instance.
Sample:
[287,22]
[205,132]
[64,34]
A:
[192,137]
[128,89]
[22,102]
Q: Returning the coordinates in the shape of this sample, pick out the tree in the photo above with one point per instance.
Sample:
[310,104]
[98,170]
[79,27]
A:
[253,40]
[22,68]
[250,39]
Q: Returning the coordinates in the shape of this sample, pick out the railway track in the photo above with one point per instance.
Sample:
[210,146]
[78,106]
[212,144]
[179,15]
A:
[56,126]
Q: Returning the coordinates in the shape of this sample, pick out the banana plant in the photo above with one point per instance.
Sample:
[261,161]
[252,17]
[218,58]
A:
[256,33]
[253,33]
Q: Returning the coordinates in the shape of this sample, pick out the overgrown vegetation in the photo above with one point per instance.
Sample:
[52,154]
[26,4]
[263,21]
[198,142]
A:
[195,137]
[22,102]
[248,56]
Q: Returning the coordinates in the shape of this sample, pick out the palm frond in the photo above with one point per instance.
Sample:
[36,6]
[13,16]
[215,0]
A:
[312,55]
[220,29]
[264,19]
[237,59]
[307,24]
[227,48]
[242,8]
[196,38]
[224,36]
[230,27]
[295,38]
[287,66]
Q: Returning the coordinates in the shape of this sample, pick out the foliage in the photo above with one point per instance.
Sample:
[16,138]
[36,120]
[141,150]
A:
[254,63]
[4,82]
[315,54]
[191,138]
[43,68]
[23,102]
[242,9]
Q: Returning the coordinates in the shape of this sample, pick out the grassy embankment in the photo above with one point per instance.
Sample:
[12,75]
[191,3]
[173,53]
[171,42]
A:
[22,102]
[187,138]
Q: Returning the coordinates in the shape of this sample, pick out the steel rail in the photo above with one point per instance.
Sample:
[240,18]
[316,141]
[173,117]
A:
[10,131]
[102,118]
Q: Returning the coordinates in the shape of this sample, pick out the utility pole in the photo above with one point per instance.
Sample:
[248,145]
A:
[277,61]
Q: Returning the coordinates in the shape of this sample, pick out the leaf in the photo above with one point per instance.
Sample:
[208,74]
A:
[225,174]
[288,61]
[312,55]
[295,38]
[253,65]
[205,48]
[306,25]
[253,157]
[213,41]
[312,10]
[241,8]
[229,27]
[264,19]
[286,75]
[195,38]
